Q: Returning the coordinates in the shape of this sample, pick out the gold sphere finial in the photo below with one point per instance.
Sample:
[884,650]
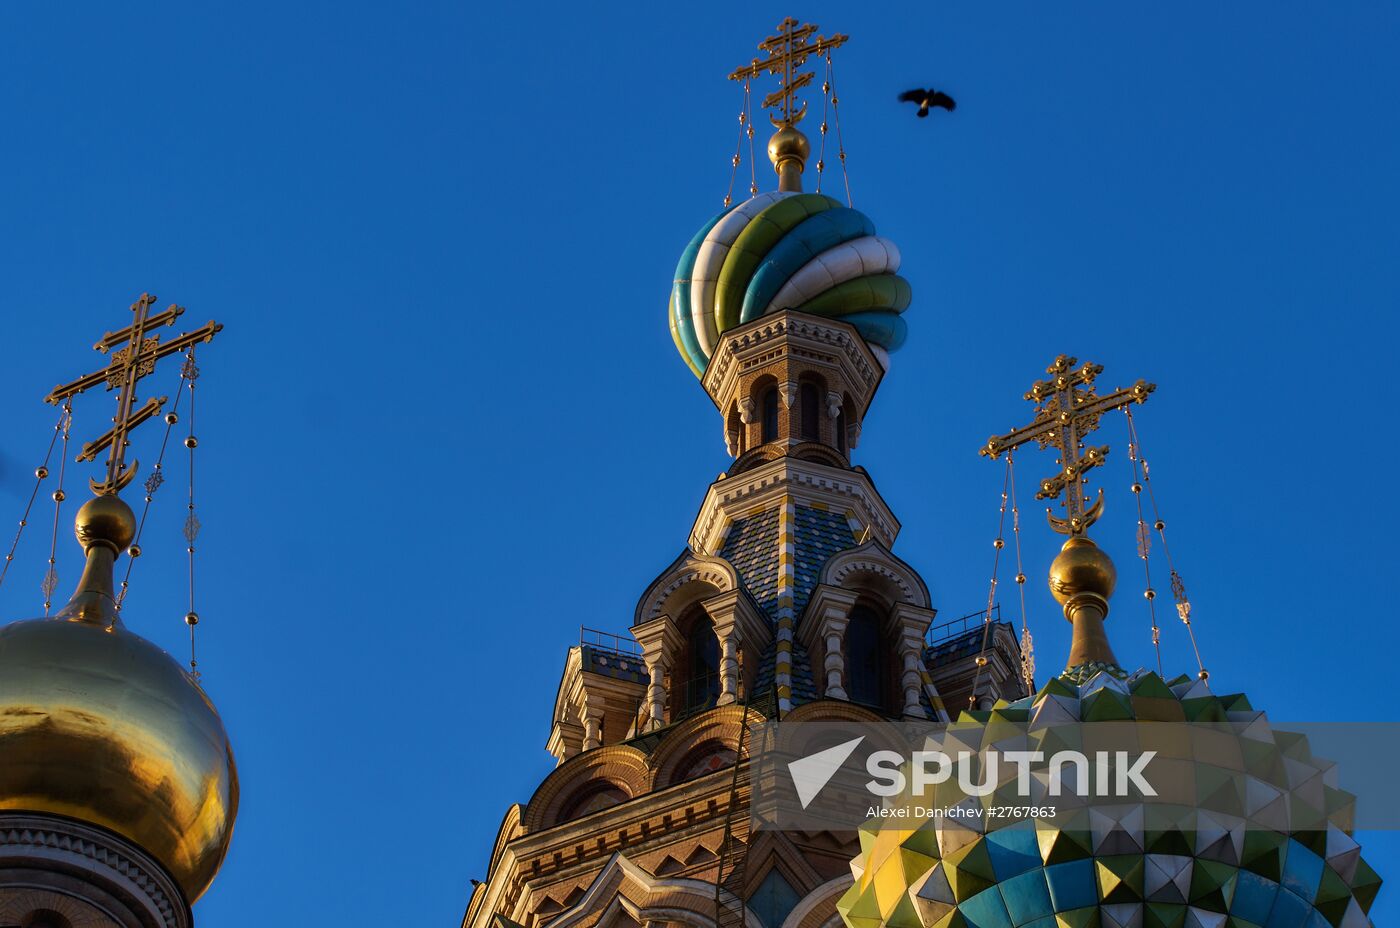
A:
[788,150]
[1082,578]
[1081,567]
[107,521]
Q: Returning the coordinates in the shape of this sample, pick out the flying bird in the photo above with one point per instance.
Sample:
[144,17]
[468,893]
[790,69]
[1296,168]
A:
[927,98]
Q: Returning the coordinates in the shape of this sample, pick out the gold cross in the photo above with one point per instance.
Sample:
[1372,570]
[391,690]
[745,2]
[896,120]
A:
[1066,410]
[129,364]
[787,51]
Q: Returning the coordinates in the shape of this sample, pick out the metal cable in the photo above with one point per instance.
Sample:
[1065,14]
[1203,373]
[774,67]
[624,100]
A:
[190,373]
[738,148]
[753,169]
[1183,605]
[1144,551]
[40,474]
[992,591]
[836,116]
[153,483]
[826,100]
[51,576]
[1027,646]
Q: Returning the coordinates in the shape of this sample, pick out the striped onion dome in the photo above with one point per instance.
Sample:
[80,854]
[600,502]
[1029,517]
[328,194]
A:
[780,250]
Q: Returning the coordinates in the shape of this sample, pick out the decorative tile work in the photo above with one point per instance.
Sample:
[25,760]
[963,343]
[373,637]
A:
[752,547]
[1265,845]
[804,684]
[820,534]
[786,615]
[780,570]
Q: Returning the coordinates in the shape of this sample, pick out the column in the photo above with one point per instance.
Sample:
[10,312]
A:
[835,664]
[738,624]
[910,627]
[728,670]
[911,648]
[824,634]
[592,723]
[660,643]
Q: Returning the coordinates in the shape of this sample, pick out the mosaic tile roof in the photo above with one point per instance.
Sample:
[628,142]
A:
[804,685]
[820,534]
[752,547]
[1265,844]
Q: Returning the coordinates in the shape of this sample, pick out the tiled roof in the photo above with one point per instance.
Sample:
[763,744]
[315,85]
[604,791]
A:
[804,685]
[820,534]
[752,547]
[960,647]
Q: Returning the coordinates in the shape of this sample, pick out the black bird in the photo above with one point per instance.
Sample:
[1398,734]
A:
[927,98]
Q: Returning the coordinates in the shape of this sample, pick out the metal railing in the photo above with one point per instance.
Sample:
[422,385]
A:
[624,645]
[958,627]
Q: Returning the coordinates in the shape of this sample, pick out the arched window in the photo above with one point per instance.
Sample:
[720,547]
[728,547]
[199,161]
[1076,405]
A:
[865,658]
[841,429]
[707,758]
[702,666]
[809,400]
[768,409]
[592,799]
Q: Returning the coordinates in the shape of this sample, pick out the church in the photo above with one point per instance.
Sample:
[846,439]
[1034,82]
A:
[785,601]
[788,602]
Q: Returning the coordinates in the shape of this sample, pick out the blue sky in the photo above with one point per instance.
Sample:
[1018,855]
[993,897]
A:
[445,424]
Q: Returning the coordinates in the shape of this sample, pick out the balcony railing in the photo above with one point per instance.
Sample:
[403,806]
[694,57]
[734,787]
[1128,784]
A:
[623,645]
[958,627]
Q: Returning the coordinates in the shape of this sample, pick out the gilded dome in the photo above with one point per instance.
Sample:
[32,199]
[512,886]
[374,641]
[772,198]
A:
[100,725]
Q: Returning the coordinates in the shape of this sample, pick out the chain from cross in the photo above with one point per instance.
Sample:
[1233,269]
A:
[1067,409]
[788,51]
[135,359]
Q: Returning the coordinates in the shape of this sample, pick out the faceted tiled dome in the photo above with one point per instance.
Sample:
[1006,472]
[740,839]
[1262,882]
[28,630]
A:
[1254,835]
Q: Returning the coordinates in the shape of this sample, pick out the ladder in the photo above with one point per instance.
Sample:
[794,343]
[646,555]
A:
[734,846]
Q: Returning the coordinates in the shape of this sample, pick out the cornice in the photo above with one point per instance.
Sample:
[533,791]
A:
[111,864]
[853,567]
[654,819]
[686,569]
[817,339]
[808,482]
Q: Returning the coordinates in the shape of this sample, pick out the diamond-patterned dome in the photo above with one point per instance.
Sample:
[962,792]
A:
[1253,833]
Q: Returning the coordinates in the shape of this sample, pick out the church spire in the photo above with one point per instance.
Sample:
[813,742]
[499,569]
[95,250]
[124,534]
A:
[787,52]
[118,788]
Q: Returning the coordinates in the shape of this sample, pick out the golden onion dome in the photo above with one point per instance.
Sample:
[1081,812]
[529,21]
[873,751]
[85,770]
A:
[100,725]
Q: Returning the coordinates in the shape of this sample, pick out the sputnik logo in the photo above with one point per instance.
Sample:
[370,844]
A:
[813,772]
[1106,774]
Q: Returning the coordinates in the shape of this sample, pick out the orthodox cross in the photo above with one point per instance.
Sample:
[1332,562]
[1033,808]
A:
[136,358]
[1066,410]
[788,51]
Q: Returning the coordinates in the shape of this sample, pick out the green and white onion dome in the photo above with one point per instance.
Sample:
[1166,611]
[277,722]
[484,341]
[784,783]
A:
[782,250]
